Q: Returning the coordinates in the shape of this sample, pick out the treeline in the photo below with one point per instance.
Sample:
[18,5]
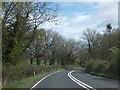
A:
[53,48]
[27,50]
[21,39]
[104,52]
[21,34]
[19,26]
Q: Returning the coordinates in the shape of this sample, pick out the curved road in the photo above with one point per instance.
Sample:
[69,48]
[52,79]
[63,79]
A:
[76,79]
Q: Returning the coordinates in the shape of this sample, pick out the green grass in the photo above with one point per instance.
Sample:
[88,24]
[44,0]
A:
[69,67]
[27,82]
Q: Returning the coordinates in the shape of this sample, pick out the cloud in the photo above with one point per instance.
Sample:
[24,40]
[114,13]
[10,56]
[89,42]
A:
[73,26]
[76,0]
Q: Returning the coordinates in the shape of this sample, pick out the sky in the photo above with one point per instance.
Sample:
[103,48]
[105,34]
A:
[75,17]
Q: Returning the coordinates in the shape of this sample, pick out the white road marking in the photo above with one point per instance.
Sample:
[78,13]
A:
[87,87]
[43,79]
[77,82]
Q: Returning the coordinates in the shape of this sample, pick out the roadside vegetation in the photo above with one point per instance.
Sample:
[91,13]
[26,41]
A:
[105,54]
[27,81]
[30,52]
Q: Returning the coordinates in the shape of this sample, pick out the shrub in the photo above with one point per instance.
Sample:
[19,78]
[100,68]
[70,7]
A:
[115,61]
[96,66]
[89,65]
[23,70]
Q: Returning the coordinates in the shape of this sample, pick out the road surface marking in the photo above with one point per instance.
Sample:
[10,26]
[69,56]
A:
[43,79]
[77,82]
[87,87]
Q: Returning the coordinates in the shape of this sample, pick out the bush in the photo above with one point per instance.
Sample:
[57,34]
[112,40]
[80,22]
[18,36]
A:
[103,68]
[114,62]
[89,66]
[112,69]
[23,70]
[96,66]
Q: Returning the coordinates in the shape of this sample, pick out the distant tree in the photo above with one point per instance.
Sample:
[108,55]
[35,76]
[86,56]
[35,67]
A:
[90,36]
[108,28]
[53,50]
[38,46]
[71,46]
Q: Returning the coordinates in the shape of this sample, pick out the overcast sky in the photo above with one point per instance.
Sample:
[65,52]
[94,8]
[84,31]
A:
[75,17]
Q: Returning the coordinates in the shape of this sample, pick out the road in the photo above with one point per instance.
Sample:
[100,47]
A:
[76,79]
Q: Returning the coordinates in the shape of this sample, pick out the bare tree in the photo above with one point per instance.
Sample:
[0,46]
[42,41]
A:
[91,37]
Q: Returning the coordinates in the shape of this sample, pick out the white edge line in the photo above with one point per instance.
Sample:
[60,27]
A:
[43,79]
[78,81]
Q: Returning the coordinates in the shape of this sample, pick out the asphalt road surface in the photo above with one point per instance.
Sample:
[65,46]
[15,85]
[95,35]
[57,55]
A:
[76,79]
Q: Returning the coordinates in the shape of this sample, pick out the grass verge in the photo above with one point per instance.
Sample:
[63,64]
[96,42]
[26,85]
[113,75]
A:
[27,82]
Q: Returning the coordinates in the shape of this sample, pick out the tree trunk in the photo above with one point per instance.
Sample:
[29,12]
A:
[45,62]
[38,60]
[31,60]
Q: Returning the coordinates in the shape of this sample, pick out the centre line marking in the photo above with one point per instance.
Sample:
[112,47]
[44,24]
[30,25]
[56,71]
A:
[82,84]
